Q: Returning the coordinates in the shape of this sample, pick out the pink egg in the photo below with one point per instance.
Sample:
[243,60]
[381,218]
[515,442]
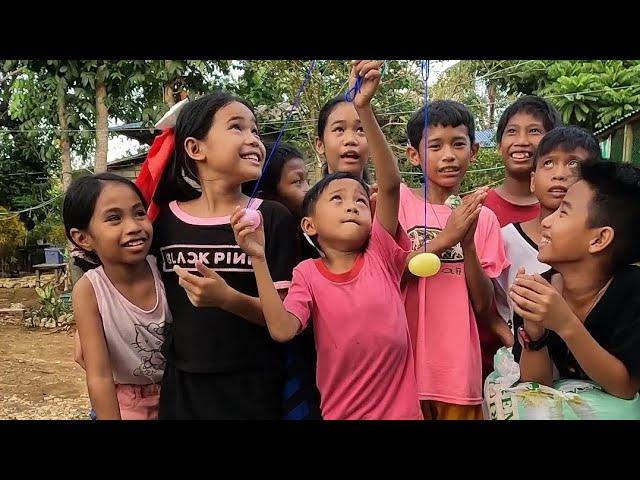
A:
[252,216]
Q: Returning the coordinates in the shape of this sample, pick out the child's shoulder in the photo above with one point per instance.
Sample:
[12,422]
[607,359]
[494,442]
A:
[83,289]
[487,215]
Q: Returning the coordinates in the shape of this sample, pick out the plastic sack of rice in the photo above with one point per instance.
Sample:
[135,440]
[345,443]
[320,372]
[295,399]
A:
[507,399]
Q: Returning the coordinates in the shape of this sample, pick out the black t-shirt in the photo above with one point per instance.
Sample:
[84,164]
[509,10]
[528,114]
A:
[207,340]
[614,323]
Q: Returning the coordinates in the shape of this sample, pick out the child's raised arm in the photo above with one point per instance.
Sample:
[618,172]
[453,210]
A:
[282,325]
[387,172]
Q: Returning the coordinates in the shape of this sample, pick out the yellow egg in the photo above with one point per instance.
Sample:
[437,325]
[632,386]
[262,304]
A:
[424,265]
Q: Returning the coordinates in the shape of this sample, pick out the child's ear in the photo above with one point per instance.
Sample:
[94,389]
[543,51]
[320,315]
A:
[194,149]
[319,144]
[603,239]
[414,156]
[532,185]
[82,239]
[307,226]
[475,147]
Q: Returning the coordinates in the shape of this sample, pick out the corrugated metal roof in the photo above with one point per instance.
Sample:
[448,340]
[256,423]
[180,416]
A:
[486,138]
[617,122]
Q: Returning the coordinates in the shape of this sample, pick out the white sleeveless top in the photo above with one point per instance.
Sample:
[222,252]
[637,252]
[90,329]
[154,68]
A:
[134,336]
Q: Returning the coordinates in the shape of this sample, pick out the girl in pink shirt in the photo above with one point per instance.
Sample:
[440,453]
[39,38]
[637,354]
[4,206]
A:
[120,307]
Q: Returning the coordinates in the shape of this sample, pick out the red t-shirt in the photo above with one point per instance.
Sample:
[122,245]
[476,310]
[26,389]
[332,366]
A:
[507,212]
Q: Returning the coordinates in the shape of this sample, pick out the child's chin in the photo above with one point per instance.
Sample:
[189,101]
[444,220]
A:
[544,256]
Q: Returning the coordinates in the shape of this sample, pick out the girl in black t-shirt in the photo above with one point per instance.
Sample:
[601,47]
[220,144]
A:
[221,360]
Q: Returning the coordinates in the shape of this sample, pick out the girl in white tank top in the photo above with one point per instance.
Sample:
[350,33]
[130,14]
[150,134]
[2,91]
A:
[120,307]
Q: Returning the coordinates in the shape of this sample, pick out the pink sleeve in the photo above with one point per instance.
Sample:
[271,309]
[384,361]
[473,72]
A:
[489,243]
[393,251]
[299,301]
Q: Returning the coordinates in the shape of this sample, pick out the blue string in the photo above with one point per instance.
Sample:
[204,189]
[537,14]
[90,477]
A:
[298,97]
[425,77]
[353,91]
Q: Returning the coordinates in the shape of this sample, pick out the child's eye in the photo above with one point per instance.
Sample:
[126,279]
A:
[141,213]
[335,197]
[113,218]
[433,146]
[548,163]
[535,130]
[510,131]
[236,126]
[338,129]
[460,144]
[362,200]
[360,130]
[573,163]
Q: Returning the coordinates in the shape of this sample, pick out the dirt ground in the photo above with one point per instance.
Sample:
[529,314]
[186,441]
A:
[38,377]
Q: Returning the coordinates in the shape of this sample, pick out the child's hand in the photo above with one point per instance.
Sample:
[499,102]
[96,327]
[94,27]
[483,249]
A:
[461,221]
[249,238]
[541,305]
[369,71]
[210,290]
[477,198]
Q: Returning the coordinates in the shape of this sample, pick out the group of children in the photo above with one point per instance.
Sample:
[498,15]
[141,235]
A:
[200,311]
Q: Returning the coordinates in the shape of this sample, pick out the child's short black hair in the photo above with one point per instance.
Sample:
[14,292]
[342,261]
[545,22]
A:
[79,205]
[271,176]
[615,203]
[311,197]
[82,195]
[533,105]
[446,113]
[567,139]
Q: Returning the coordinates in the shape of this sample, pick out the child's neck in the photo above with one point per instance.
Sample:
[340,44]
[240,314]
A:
[436,194]
[218,199]
[579,288]
[533,227]
[126,274]
[517,191]
[338,261]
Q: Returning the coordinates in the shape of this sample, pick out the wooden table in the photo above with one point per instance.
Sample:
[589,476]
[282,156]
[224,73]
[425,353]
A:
[59,268]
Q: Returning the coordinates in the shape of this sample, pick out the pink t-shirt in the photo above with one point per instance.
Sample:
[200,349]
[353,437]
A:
[365,361]
[441,320]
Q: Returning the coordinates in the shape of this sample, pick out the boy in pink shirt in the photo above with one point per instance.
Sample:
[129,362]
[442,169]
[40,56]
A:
[352,295]
[442,309]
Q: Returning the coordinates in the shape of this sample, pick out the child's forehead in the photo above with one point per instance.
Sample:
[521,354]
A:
[344,184]
[579,194]
[439,130]
[525,117]
[343,111]
[116,194]
[561,150]
[235,109]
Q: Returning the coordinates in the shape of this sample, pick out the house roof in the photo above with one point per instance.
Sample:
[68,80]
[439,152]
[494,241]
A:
[124,162]
[137,131]
[619,121]
[486,138]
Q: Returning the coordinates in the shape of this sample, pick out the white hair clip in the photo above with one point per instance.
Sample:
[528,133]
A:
[169,118]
